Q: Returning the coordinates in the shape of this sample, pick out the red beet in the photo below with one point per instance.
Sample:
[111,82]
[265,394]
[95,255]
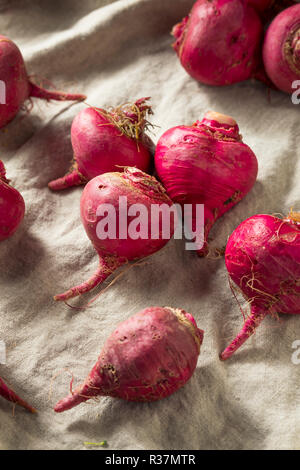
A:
[281,49]
[206,163]
[117,249]
[147,358]
[219,42]
[263,259]
[18,87]
[104,141]
[12,207]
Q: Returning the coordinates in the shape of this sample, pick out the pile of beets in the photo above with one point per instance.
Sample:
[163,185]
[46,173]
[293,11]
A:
[154,353]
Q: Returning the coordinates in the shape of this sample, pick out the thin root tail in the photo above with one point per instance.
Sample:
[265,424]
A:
[70,179]
[106,267]
[11,396]
[250,325]
[42,93]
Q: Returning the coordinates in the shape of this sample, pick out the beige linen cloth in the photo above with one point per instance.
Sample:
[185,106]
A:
[114,51]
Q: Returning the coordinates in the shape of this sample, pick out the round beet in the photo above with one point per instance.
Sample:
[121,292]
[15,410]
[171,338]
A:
[120,247]
[206,163]
[105,141]
[281,49]
[263,259]
[219,42]
[18,87]
[147,358]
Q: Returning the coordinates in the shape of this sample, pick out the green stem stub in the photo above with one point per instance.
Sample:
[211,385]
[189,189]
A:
[95,444]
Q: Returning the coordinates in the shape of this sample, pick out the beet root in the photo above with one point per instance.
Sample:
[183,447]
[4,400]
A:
[219,42]
[12,207]
[206,163]
[118,248]
[281,49]
[105,141]
[263,259]
[148,357]
[18,87]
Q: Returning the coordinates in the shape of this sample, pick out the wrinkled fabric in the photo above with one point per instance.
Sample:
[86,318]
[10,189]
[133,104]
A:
[115,51]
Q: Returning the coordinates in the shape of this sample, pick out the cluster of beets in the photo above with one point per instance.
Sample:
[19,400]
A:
[155,352]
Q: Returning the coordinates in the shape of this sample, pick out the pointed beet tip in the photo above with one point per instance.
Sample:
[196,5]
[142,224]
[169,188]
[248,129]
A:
[26,406]
[74,178]
[221,357]
[70,402]
[200,335]
[59,407]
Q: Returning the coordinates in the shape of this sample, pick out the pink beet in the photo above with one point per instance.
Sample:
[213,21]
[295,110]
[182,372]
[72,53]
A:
[11,396]
[118,249]
[147,358]
[18,87]
[219,42]
[12,207]
[281,49]
[206,163]
[105,141]
[263,259]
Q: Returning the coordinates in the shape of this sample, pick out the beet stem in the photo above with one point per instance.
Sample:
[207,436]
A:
[250,325]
